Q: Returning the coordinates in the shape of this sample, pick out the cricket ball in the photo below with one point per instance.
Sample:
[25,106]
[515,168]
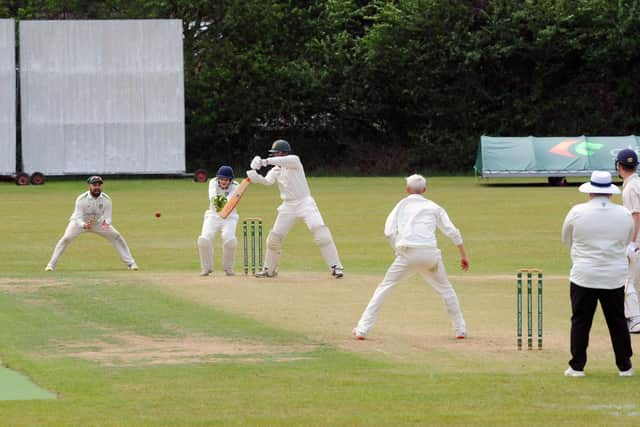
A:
[157,214]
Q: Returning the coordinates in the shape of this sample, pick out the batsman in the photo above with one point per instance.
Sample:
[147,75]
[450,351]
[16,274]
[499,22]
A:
[297,203]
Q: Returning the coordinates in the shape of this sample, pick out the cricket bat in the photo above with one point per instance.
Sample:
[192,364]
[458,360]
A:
[234,199]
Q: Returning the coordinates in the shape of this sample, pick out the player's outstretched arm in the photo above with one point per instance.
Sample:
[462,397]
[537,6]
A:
[269,179]
[464,260]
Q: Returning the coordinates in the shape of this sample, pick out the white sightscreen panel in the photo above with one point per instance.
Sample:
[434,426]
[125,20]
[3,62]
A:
[8,97]
[102,96]
[162,151]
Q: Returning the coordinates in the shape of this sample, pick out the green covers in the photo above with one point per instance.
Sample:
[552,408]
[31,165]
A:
[555,156]
[15,386]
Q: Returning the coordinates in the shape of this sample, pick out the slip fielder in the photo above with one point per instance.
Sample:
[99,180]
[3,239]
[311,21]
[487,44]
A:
[92,213]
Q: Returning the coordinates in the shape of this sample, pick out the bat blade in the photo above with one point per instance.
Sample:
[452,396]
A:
[234,199]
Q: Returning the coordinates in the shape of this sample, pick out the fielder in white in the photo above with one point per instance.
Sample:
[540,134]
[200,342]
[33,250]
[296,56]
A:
[220,189]
[410,229]
[92,213]
[626,165]
[297,203]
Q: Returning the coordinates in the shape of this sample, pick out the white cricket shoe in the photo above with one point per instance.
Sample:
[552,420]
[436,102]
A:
[460,335]
[634,326]
[262,274]
[205,272]
[357,335]
[337,272]
[49,268]
[627,373]
[229,273]
[570,372]
[133,266]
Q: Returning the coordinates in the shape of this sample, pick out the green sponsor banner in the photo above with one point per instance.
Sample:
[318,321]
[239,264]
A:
[549,156]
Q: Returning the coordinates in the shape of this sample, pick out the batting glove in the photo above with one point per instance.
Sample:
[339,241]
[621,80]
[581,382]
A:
[253,175]
[256,163]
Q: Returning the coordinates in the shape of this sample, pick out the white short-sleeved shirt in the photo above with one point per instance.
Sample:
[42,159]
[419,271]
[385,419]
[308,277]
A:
[631,195]
[413,221]
[598,233]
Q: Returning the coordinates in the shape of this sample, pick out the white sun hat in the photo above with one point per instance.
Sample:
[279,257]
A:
[600,183]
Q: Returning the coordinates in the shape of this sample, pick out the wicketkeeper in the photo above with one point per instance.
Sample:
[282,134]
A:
[297,204]
[92,213]
[220,190]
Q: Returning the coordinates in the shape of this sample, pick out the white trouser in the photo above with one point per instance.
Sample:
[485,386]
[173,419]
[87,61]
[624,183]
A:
[288,214]
[74,230]
[210,227]
[427,262]
[631,305]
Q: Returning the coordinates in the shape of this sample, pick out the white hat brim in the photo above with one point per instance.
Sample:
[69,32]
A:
[589,188]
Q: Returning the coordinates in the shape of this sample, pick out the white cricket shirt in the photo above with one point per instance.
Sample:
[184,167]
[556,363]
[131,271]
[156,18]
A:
[289,174]
[413,221]
[215,190]
[598,233]
[631,195]
[96,209]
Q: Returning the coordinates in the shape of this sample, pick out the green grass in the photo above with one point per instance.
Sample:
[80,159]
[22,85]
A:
[504,227]
[409,373]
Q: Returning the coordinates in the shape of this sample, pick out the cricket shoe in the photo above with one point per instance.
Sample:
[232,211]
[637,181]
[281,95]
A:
[229,273]
[627,373]
[357,335]
[634,326]
[263,274]
[460,335]
[49,268]
[205,272]
[570,372]
[337,272]
[133,266]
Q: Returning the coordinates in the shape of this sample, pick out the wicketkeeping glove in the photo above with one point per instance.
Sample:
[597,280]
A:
[219,202]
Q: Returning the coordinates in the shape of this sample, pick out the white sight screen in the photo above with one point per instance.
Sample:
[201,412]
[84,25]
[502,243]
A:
[102,97]
[7,97]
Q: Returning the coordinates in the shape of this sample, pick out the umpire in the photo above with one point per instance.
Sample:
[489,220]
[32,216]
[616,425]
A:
[598,233]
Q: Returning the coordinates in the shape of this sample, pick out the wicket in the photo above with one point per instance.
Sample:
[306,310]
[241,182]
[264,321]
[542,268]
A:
[530,272]
[250,225]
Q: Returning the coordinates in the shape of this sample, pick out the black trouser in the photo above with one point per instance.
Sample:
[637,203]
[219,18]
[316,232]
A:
[583,307]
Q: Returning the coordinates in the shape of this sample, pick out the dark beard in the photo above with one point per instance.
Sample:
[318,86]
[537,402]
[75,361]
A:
[96,193]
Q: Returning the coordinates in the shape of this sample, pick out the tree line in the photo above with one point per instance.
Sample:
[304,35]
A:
[388,86]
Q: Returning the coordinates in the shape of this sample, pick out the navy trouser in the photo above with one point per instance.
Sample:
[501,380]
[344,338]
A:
[583,307]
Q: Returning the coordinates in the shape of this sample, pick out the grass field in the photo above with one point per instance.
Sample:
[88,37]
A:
[164,346]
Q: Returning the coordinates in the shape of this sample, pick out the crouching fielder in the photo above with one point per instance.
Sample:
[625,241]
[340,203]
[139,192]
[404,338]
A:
[92,213]
[410,228]
[297,203]
[220,190]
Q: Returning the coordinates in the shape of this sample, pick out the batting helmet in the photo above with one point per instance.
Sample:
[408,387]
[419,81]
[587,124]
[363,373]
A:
[225,172]
[627,157]
[280,145]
